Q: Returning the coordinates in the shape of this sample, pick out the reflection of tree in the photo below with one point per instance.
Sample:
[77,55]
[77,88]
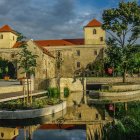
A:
[82,73]
[28,132]
[59,62]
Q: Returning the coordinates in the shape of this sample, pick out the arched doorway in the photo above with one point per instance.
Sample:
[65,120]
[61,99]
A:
[12,70]
[7,68]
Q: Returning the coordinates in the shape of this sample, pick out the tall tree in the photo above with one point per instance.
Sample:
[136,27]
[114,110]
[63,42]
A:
[123,26]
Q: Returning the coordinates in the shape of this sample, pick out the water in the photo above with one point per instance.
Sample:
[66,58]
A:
[39,129]
[55,135]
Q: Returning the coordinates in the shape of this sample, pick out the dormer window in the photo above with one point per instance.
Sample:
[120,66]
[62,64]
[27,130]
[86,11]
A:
[1,36]
[94,31]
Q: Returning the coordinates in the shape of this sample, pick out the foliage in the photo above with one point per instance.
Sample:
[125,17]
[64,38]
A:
[19,105]
[129,119]
[53,92]
[123,26]
[114,131]
[27,60]
[97,67]
[66,92]
[6,68]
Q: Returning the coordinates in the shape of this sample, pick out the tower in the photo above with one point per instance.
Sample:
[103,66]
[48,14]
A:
[94,34]
[8,37]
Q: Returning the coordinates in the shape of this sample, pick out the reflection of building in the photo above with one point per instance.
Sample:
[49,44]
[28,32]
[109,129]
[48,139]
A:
[75,53]
[8,133]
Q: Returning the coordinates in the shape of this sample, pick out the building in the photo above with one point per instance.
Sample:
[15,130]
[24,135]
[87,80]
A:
[73,54]
[77,53]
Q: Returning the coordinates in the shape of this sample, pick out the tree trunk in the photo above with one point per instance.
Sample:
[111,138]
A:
[28,92]
[124,75]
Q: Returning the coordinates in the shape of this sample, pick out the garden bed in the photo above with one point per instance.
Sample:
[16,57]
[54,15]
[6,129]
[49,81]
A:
[37,103]
[33,112]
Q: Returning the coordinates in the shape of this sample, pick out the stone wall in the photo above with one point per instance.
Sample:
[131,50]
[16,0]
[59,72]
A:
[111,79]
[73,85]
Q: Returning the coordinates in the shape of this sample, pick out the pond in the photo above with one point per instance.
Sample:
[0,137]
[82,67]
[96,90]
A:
[41,129]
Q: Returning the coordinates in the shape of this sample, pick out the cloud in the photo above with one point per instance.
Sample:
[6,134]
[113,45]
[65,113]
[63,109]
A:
[50,19]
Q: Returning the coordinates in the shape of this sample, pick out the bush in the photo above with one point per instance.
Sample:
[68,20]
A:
[66,92]
[53,92]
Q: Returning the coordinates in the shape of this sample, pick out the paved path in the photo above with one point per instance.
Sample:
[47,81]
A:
[17,95]
[4,83]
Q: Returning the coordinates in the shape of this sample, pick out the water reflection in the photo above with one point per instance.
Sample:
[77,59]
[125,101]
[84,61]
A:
[38,129]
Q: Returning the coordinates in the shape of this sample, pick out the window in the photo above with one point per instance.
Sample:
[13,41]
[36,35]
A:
[2,134]
[13,38]
[101,39]
[12,55]
[95,52]
[78,52]
[1,36]
[94,31]
[78,64]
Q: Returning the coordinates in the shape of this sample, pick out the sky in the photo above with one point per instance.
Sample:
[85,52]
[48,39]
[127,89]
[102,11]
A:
[52,19]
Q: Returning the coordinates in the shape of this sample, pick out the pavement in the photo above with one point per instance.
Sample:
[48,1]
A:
[4,83]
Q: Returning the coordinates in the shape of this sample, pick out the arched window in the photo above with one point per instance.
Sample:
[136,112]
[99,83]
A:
[1,36]
[94,31]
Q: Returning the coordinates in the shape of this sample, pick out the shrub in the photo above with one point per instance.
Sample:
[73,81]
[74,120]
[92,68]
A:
[66,92]
[53,92]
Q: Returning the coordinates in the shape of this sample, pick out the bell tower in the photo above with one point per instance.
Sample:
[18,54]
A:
[93,33]
[8,37]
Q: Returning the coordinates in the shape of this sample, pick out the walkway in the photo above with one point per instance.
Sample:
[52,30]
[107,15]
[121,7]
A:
[18,95]
[4,83]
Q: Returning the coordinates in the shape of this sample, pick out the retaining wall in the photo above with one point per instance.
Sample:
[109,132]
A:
[111,79]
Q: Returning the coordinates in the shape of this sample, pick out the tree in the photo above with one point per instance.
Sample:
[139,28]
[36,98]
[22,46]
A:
[27,61]
[123,26]
[134,63]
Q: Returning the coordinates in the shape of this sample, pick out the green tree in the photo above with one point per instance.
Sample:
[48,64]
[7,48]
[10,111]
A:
[123,26]
[27,62]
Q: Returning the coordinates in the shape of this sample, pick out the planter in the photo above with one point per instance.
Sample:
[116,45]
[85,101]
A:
[33,113]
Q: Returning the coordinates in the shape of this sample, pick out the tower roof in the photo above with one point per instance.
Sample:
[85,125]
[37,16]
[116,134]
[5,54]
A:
[94,23]
[7,28]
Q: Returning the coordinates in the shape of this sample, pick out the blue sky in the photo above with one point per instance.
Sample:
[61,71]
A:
[52,19]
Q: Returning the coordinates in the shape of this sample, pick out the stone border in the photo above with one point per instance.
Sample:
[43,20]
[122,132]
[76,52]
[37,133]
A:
[26,114]
[118,94]
[122,88]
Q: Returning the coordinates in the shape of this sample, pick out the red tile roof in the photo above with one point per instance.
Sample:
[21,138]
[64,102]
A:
[17,45]
[7,28]
[62,42]
[94,23]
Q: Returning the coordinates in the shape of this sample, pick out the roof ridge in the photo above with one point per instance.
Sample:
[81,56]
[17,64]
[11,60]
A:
[94,23]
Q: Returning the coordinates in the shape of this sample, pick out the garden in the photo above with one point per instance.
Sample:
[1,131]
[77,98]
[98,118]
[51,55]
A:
[52,97]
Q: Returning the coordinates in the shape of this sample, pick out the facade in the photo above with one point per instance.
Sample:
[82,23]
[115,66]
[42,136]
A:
[77,53]
[73,54]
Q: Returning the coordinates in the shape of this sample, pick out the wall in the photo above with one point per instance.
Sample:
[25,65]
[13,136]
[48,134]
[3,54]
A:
[7,41]
[70,57]
[91,38]
[11,89]
[111,79]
